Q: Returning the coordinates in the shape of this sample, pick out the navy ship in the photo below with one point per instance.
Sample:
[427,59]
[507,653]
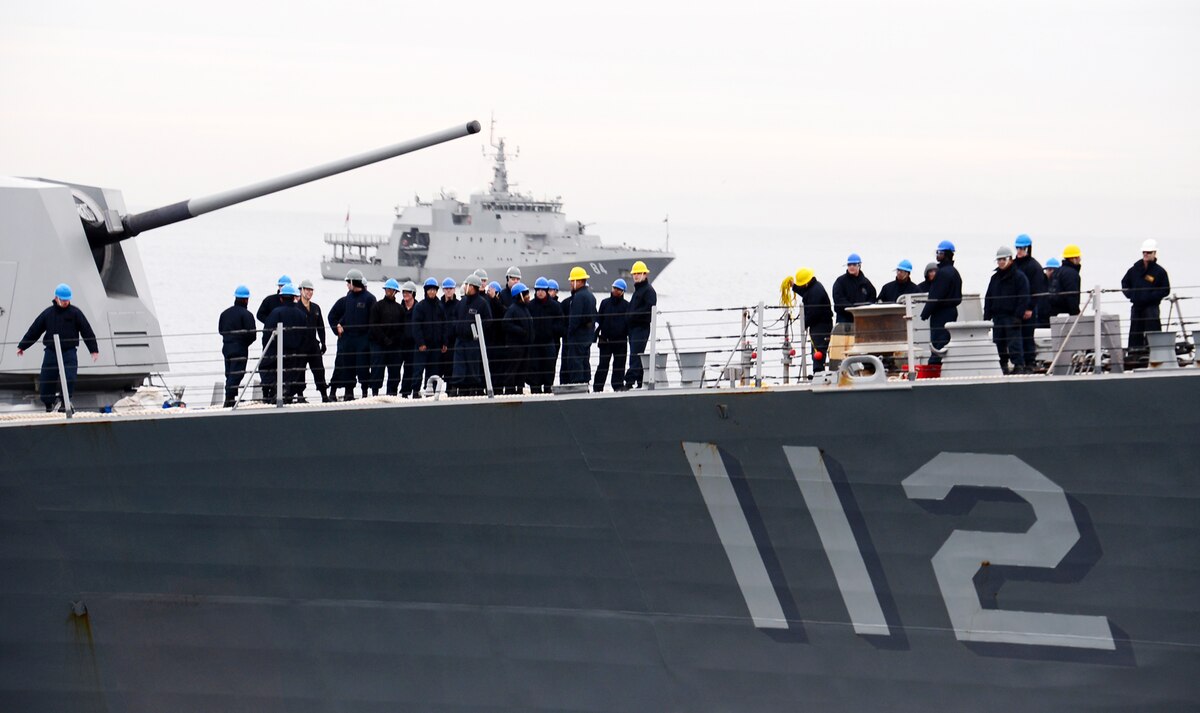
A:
[493,230]
[846,544]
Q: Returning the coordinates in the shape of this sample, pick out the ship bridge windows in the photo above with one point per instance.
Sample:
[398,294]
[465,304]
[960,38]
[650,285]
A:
[414,239]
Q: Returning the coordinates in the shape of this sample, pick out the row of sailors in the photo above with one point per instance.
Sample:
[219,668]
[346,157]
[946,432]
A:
[1022,296]
[395,344]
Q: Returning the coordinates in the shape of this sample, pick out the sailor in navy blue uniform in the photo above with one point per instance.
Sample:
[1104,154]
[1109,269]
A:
[349,319]
[641,307]
[612,338]
[1005,304]
[67,321]
[945,294]
[1145,285]
[238,332]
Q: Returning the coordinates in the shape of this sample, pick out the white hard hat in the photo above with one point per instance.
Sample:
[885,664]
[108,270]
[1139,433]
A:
[1150,246]
[1004,251]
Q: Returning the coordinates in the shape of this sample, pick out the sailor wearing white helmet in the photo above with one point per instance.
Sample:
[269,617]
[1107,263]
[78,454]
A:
[1145,285]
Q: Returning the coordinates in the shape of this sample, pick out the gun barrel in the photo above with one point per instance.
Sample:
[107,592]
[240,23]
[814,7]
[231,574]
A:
[158,217]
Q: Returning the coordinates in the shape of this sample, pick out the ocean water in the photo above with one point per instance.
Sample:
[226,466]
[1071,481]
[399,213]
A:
[194,266]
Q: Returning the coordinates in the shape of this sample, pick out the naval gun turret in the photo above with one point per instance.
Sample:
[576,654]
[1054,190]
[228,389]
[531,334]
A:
[56,231]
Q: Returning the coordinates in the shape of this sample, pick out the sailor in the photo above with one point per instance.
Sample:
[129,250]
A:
[1145,285]
[547,324]
[267,365]
[270,302]
[1067,301]
[612,337]
[945,294]
[294,320]
[818,313]
[238,332]
[641,304]
[467,379]
[852,288]
[1035,314]
[1050,270]
[493,331]
[449,316]
[518,335]
[1005,304]
[930,271]
[511,277]
[385,336]
[350,319]
[314,339]
[902,285]
[581,330]
[428,337]
[409,384]
[68,322]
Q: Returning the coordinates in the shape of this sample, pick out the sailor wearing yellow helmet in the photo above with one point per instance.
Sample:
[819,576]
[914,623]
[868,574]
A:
[581,330]
[641,304]
[1067,301]
[818,313]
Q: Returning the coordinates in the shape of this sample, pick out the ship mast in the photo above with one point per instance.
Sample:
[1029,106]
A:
[500,170]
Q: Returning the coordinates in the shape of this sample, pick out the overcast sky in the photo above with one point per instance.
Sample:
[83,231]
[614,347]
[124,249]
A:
[1075,118]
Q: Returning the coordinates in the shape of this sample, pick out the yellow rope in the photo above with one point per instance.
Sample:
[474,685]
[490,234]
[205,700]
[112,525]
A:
[787,298]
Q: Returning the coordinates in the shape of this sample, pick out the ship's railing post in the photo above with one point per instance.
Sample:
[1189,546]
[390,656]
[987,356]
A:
[249,383]
[279,364]
[909,336]
[804,342]
[1097,367]
[652,367]
[758,362]
[487,369]
[62,378]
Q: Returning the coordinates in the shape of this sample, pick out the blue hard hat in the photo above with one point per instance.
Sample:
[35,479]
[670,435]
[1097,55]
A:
[290,289]
[63,291]
[493,285]
[391,284]
[519,289]
[1053,263]
[430,282]
[242,292]
[619,284]
[553,285]
[853,259]
[1023,241]
[904,265]
[449,283]
[541,284]
[945,246]
[283,280]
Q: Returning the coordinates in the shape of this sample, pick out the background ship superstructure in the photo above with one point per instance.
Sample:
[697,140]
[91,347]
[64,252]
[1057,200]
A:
[446,237]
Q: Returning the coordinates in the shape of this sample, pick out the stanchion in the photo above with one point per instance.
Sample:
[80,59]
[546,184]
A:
[62,379]
[487,369]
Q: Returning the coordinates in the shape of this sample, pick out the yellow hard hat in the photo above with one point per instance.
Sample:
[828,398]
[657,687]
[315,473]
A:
[578,273]
[1071,251]
[804,276]
[639,268]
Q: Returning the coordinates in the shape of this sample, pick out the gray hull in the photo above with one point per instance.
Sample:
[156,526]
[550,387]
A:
[603,270]
[653,552]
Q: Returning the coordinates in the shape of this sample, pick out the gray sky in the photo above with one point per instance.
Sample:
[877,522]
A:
[1075,118]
